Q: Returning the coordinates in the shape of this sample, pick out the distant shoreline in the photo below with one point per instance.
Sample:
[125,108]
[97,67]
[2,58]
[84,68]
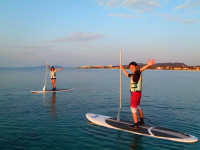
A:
[146,69]
[158,66]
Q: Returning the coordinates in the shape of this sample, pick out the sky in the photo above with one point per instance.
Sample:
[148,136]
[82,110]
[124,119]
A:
[73,33]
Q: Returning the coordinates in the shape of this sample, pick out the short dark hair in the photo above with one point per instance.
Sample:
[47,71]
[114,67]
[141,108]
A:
[133,63]
[52,67]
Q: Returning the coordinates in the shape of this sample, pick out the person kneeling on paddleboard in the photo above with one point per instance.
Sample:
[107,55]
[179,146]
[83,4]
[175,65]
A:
[53,76]
[136,89]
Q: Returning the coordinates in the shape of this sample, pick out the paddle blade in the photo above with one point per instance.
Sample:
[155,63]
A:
[43,88]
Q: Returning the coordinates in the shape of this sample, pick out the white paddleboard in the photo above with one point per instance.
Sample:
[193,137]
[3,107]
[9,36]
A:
[151,131]
[50,91]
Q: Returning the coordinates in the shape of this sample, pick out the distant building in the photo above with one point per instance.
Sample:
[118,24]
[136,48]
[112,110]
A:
[197,68]
[160,68]
[185,68]
[99,66]
[86,66]
[177,68]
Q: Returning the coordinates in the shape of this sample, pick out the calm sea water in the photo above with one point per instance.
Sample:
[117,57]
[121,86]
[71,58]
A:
[57,120]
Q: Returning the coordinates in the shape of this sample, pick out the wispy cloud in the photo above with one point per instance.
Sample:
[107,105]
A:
[145,5]
[178,18]
[189,4]
[123,16]
[155,6]
[109,3]
[80,37]
[141,5]
[138,5]
[191,21]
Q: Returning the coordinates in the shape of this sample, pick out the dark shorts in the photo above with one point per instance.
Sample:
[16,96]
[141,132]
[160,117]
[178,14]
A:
[53,78]
[135,99]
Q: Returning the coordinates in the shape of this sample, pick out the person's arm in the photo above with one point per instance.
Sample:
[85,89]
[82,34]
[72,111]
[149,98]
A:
[58,69]
[125,72]
[149,63]
[48,66]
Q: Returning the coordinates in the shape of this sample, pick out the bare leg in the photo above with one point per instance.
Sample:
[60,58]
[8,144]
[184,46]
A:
[135,118]
[141,117]
[53,81]
[140,113]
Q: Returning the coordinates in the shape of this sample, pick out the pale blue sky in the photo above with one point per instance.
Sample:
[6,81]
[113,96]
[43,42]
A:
[92,32]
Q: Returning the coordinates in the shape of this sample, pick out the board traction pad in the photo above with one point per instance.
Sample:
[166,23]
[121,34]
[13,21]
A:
[147,130]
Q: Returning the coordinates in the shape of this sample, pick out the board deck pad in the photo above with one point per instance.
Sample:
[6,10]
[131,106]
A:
[151,131]
[52,91]
[148,130]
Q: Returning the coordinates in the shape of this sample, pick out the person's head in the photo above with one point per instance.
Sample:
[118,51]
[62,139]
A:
[52,68]
[133,67]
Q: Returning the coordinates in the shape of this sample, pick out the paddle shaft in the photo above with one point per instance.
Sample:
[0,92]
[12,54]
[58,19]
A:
[120,95]
[45,79]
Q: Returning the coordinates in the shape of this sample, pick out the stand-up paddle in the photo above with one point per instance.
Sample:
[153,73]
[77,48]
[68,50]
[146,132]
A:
[146,130]
[120,91]
[45,79]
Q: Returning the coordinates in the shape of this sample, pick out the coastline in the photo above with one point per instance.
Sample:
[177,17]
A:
[146,69]
[163,66]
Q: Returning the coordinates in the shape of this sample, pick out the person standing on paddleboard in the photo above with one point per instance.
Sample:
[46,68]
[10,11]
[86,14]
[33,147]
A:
[53,75]
[136,89]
